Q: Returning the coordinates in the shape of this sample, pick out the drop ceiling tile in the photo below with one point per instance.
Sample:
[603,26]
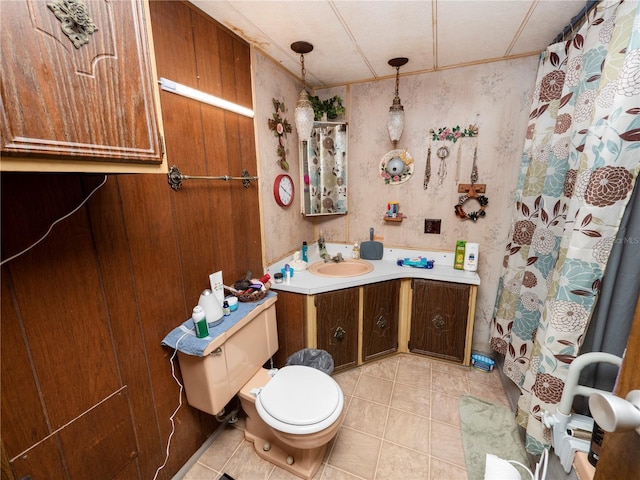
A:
[387,29]
[469,31]
[547,20]
[354,39]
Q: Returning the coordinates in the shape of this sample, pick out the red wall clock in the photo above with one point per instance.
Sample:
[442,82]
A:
[283,190]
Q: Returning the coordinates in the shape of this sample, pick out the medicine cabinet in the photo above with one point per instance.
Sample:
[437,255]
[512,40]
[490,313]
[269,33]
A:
[324,170]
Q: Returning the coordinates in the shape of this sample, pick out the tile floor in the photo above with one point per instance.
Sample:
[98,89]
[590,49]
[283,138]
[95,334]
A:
[401,422]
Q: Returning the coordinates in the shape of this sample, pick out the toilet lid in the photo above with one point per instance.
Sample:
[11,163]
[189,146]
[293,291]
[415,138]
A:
[299,395]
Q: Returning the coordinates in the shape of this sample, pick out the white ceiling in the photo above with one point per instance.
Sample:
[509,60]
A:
[354,39]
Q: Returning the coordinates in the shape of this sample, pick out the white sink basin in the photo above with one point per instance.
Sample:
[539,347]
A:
[347,268]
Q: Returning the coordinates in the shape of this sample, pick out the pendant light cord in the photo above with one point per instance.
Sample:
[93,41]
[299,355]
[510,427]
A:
[304,71]
[397,81]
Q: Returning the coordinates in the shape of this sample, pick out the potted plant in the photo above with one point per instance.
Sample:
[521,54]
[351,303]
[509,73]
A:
[332,107]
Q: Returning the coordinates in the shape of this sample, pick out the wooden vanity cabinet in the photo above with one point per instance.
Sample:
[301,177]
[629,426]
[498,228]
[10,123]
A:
[380,319]
[361,324]
[337,325]
[291,313]
[439,319]
[76,105]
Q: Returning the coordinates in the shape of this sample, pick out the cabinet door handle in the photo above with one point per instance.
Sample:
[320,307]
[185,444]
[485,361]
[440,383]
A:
[438,321]
[382,322]
[339,334]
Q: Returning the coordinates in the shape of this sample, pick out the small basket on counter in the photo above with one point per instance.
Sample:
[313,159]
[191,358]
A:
[253,296]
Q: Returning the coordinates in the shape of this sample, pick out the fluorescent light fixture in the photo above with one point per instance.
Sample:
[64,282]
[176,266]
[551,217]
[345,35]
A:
[179,89]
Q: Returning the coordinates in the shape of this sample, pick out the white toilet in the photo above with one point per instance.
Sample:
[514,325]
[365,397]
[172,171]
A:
[292,416]
[292,413]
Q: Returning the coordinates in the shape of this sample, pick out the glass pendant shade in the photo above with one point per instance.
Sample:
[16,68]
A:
[304,116]
[395,121]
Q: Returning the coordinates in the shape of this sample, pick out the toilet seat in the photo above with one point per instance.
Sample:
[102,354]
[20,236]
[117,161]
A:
[300,400]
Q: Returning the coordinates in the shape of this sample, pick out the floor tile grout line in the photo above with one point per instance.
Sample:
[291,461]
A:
[478,382]
[235,450]
[386,421]
[208,467]
[341,426]
[343,471]
[448,462]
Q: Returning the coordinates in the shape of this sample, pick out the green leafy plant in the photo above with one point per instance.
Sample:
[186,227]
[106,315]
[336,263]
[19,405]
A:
[332,107]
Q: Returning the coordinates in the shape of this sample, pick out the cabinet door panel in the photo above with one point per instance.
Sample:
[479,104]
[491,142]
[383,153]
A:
[439,319]
[380,319]
[337,323]
[290,313]
[94,101]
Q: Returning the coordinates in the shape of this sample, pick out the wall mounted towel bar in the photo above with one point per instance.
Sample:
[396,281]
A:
[175,178]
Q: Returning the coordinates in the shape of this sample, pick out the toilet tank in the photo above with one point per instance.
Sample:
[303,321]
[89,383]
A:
[230,360]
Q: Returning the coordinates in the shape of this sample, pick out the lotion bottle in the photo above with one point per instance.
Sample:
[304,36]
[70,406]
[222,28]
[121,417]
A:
[471,257]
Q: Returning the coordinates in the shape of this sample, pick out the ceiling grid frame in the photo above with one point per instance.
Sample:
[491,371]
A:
[354,40]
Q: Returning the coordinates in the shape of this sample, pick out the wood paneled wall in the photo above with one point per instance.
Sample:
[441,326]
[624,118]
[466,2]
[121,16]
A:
[86,386]
[620,454]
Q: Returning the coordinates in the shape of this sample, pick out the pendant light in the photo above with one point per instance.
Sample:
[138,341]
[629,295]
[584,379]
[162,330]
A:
[304,110]
[395,119]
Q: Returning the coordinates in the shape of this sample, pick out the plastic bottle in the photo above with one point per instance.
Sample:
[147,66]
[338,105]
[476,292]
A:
[287,274]
[305,248]
[200,322]
[226,310]
[458,262]
[471,251]
[597,436]
[355,252]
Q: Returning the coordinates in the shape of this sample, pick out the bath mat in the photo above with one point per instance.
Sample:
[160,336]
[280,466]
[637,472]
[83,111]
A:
[489,428]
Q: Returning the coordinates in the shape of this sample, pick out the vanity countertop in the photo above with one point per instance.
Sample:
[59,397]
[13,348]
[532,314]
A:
[387,268]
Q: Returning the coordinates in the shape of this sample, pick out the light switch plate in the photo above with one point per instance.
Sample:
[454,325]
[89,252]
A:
[432,225]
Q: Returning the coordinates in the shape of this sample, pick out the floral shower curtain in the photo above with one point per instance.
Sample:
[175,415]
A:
[580,162]
[327,172]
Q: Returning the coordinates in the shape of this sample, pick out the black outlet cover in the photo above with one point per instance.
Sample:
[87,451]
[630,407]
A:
[432,225]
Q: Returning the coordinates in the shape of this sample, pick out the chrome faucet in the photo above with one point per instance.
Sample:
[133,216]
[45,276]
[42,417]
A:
[325,255]
[322,248]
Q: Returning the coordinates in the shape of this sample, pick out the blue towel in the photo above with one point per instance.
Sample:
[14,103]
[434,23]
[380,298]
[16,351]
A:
[184,336]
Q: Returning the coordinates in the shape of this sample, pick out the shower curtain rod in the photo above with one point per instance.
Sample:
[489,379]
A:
[575,22]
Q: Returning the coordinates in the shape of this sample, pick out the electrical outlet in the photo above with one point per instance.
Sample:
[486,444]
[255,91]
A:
[432,225]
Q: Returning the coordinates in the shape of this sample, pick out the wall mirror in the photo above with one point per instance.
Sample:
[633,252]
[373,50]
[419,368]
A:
[324,170]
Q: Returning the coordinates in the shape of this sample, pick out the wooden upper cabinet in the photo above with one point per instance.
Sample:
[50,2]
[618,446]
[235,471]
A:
[80,97]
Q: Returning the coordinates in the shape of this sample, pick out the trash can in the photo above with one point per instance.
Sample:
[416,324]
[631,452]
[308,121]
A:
[313,357]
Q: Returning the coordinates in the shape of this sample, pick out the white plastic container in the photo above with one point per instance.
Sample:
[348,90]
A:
[212,308]
[471,257]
